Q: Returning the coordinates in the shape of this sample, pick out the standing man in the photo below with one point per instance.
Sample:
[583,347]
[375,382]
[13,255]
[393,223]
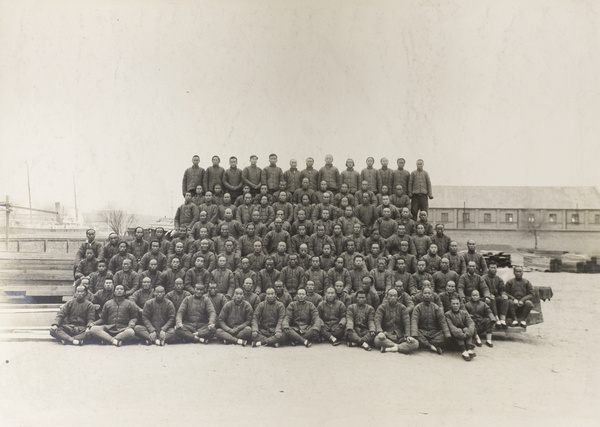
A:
[330,174]
[292,177]
[350,177]
[400,176]
[311,174]
[476,257]
[370,175]
[214,175]
[90,243]
[73,318]
[252,175]
[192,177]
[272,174]
[419,189]
[232,179]
[186,215]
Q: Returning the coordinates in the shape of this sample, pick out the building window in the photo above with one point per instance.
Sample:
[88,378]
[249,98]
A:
[574,218]
[466,217]
[552,218]
[531,218]
[597,219]
[509,217]
[487,217]
[445,217]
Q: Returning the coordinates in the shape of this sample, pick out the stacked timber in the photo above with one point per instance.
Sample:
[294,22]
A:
[576,263]
[537,262]
[501,258]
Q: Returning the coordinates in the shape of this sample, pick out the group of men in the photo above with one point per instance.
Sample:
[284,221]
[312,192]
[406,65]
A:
[268,257]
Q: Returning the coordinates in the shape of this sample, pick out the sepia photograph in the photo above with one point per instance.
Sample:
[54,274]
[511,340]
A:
[308,212]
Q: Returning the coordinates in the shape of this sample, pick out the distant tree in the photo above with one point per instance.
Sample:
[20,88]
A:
[535,223]
[117,220]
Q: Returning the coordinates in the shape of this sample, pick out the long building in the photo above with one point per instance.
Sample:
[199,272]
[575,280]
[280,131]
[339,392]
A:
[516,208]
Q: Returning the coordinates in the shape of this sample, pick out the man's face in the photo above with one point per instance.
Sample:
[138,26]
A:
[310,162]
[518,273]
[365,284]
[405,213]
[122,248]
[400,163]
[455,305]
[89,254]
[179,248]
[224,231]
[420,230]
[421,266]
[199,190]
[392,297]
[303,249]
[381,264]
[155,248]
[222,262]
[278,224]
[471,245]
[358,263]
[365,199]
[423,216]
[218,189]
[248,198]
[339,263]
[119,291]
[314,263]
[450,287]
[198,290]
[146,283]
[278,288]
[108,285]
[273,160]
[248,285]
[404,246]
[293,260]
[204,245]
[326,250]
[245,264]
[212,289]
[139,233]
[475,296]
[159,293]
[328,160]
[208,197]
[433,249]
[126,265]
[175,263]
[188,199]
[301,230]
[301,295]
[439,230]
[320,231]
[160,233]
[349,164]
[233,163]
[310,287]
[370,162]
[339,287]
[384,162]
[255,216]
[361,299]
[215,161]
[269,264]
[199,262]
[350,246]
[153,265]
[80,293]
[420,165]
[445,265]
[238,295]
[195,160]
[356,229]
[282,196]
[493,269]
[400,265]
[281,248]
[471,267]
[301,215]
[305,185]
[293,163]
[323,185]
[387,213]
[226,201]
[364,185]
[253,160]
[325,215]
[427,294]
[399,190]
[91,235]
[337,230]
[270,295]
[178,285]
[330,295]
[229,247]
[453,248]
[102,267]
[257,247]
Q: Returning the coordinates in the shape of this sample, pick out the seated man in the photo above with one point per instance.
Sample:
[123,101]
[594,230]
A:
[142,295]
[498,296]
[235,319]
[429,323]
[520,294]
[301,323]
[73,318]
[461,328]
[267,321]
[103,295]
[483,317]
[158,318]
[333,317]
[177,295]
[118,318]
[360,322]
[249,295]
[311,295]
[392,324]
[86,266]
[447,295]
[195,320]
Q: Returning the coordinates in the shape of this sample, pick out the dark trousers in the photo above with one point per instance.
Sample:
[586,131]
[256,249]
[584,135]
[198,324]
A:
[299,337]
[336,331]
[69,332]
[515,312]
[419,202]
[142,332]
[244,334]
[269,338]
[428,338]
[186,333]
[359,337]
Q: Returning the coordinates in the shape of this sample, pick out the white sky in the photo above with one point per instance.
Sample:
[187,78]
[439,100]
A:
[123,93]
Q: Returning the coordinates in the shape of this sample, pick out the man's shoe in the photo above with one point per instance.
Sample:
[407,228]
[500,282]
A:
[471,354]
[244,343]
[350,344]
[514,323]
[489,344]
[439,350]
[64,342]
[478,343]
[307,343]
[523,324]
[336,343]
[382,349]
[466,356]
[76,342]
[276,345]
[256,343]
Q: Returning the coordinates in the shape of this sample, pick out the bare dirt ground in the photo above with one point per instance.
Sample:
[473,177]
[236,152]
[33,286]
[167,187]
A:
[546,376]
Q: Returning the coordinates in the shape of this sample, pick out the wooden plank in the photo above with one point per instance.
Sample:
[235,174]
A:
[37,275]
[39,291]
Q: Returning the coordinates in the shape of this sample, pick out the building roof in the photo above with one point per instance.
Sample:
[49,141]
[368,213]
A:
[471,197]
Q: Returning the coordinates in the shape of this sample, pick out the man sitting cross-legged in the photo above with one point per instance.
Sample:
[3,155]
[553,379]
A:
[73,319]
[235,319]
